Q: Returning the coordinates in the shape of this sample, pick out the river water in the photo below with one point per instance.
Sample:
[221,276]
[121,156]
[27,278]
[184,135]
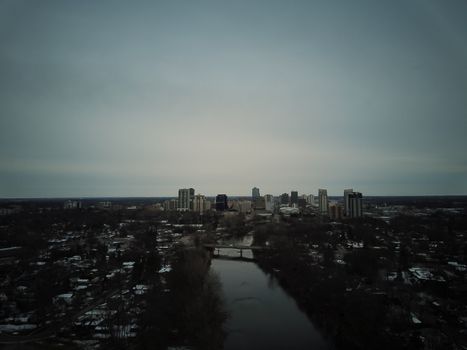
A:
[262,315]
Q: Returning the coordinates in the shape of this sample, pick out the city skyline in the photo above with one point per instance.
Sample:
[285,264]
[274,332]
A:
[112,99]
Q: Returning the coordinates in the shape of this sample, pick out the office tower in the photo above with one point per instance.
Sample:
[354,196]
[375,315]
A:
[269,202]
[255,193]
[285,198]
[294,197]
[185,199]
[355,204]
[346,201]
[221,202]
[200,204]
[323,201]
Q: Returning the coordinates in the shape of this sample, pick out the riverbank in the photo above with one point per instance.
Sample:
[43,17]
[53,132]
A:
[337,311]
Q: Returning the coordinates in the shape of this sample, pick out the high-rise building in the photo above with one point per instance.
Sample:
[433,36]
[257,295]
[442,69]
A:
[255,193]
[201,204]
[185,199]
[294,197]
[323,201]
[269,202]
[221,202]
[346,201]
[285,198]
[355,204]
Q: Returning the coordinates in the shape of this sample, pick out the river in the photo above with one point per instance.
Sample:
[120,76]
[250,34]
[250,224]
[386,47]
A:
[262,315]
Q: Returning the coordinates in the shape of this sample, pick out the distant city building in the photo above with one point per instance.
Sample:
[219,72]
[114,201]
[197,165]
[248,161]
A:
[105,205]
[285,198]
[242,206]
[69,204]
[245,206]
[323,201]
[294,197]
[269,203]
[185,199]
[201,204]
[171,204]
[221,202]
[287,211]
[155,206]
[10,210]
[347,192]
[355,205]
[255,193]
[301,202]
[335,211]
[257,200]
[259,203]
[310,199]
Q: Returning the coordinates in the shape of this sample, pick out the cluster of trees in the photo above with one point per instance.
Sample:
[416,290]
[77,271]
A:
[351,301]
[185,307]
[328,291]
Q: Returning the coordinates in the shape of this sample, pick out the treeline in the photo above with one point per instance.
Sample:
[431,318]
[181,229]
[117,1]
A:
[341,299]
[185,307]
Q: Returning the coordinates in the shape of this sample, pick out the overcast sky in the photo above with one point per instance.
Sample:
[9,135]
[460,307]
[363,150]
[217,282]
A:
[140,98]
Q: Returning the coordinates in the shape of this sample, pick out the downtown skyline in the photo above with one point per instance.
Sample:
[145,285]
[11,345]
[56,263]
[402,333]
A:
[113,99]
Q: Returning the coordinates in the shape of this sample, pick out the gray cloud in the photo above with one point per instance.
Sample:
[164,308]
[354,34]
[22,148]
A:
[111,98]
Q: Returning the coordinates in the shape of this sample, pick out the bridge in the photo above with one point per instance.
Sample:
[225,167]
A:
[241,248]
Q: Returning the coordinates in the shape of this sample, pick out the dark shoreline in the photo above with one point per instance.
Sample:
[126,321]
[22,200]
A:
[332,326]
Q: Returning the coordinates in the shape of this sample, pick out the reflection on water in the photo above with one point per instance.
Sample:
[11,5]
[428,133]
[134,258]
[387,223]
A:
[263,316]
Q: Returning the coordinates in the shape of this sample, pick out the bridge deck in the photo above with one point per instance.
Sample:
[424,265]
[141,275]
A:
[240,247]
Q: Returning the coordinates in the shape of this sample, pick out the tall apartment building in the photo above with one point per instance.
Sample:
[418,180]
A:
[355,205]
[347,192]
[185,199]
[323,201]
[201,204]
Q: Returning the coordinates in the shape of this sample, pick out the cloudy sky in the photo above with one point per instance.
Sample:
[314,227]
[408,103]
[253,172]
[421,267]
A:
[140,98]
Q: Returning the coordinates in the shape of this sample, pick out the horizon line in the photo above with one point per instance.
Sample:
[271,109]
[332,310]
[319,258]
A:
[233,196]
